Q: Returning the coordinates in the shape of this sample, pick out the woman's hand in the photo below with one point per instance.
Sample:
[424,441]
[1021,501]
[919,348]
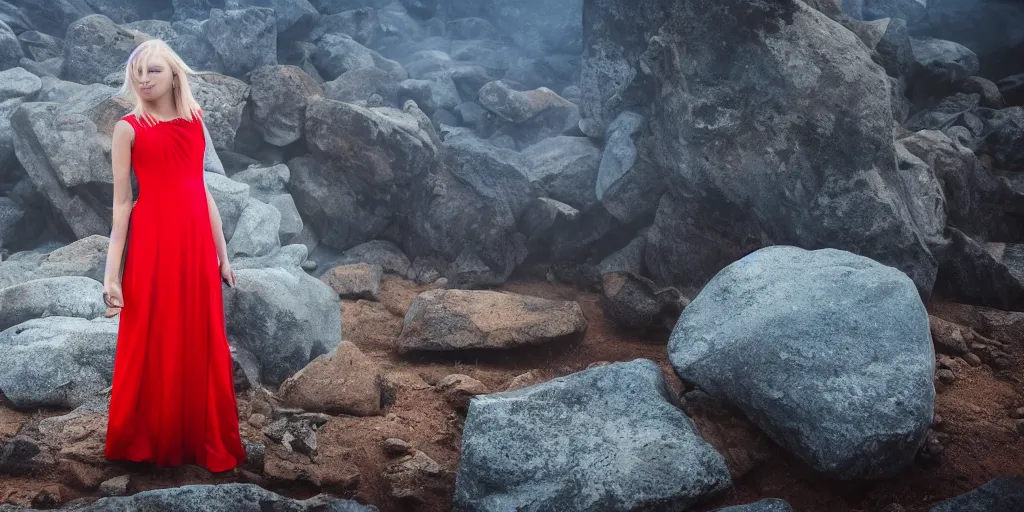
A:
[226,274]
[113,298]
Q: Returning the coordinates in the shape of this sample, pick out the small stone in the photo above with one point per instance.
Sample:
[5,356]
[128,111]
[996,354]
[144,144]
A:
[257,420]
[946,376]
[978,346]
[117,486]
[308,265]
[524,380]
[1001,363]
[47,499]
[1017,413]
[286,441]
[973,359]
[458,389]
[255,455]
[937,421]
[276,430]
[1020,428]
[395,447]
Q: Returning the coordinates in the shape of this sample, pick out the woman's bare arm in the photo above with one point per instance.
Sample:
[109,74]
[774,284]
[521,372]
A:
[121,161]
[218,228]
[215,220]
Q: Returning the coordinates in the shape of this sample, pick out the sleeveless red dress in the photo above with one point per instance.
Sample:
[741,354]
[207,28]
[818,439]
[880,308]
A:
[173,397]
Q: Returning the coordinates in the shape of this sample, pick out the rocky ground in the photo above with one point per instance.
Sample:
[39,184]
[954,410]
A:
[978,432]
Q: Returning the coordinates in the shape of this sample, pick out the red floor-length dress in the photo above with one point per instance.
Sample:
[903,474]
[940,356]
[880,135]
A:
[173,398]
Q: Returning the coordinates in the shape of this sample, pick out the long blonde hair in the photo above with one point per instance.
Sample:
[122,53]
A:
[137,65]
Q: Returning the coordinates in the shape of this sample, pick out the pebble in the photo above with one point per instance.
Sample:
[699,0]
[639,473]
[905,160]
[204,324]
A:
[308,265]
[1001,363]
[1017,413]
[937,421]
[972,359]
[396,447]
[117,486]
[257,420]
[946,376]
[1020,428]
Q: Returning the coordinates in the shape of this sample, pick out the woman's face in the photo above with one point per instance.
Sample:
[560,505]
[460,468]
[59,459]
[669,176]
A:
[155,79]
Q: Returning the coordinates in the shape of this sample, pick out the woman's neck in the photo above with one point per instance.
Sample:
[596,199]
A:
[162,109]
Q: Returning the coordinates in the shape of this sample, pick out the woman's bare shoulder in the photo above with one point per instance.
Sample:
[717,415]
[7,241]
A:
[123,130]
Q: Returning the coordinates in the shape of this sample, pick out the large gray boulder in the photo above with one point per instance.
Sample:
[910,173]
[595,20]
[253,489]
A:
[187,38]
[70,296]
[608,438]
[16,87]
[798,163]
[84,258]
[243,39]
[279,96]
[841,351]
[230,497]
[56,361]
[368,163]
[59,148]
[94,48]
[1001,494]
[284,317]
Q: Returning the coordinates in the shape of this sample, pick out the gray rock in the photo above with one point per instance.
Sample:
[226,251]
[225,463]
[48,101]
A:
[291,221]
[942,66]
[766,505]
[551,446]
[279,96]
[1001,494]
[565,168]
[10,48]
[282,316]
[78,297]
[264,182]
[358,85]
[187,37]
[231,198]
[257,232]
[40,46]
[355,281]
[17,454]
[626,183]
[56,361]
[15,18]
[361,24]
[438,92]
[295,18]
[16,87]
[286,257]
[117,486]
[960,21]
[378,252]
[243,39]
[843,350]
[94,48]
[339,53]
[64,159]
[701,119]
[223,100]
[367,162]
[230,497]
[531,116]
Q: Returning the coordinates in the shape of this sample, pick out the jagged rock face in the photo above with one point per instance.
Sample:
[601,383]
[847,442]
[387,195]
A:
[755,137]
